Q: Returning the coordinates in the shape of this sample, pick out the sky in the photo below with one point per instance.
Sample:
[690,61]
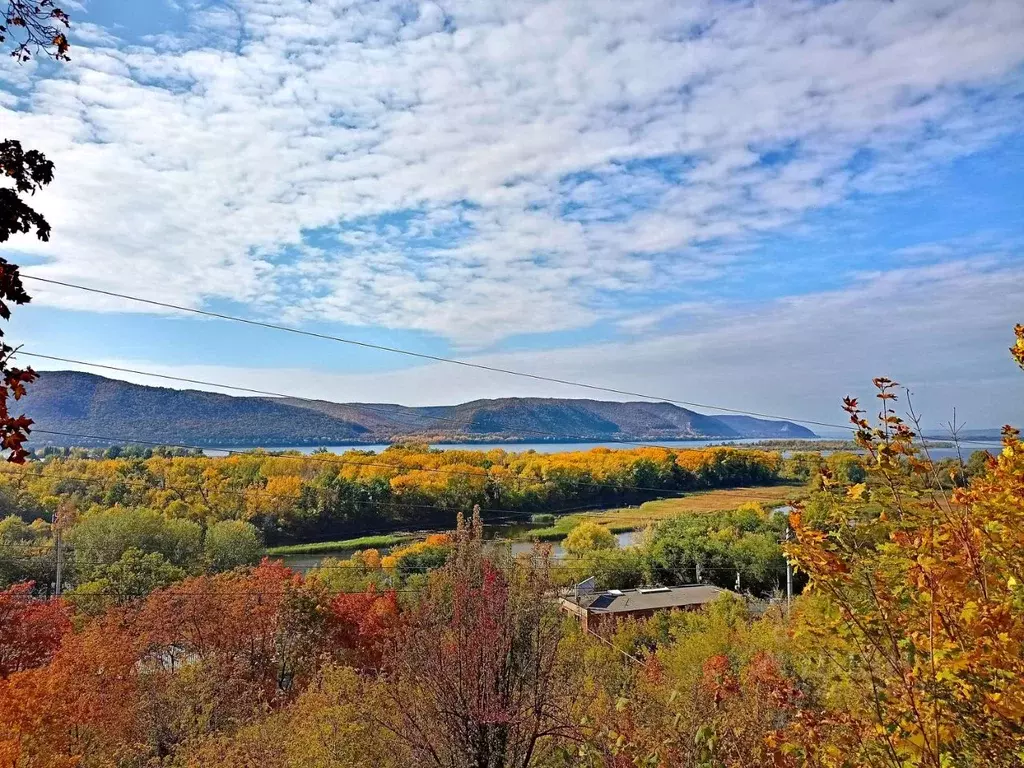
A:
[754,205]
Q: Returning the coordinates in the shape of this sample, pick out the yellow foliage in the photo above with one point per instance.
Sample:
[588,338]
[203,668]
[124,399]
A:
[371,559]
[916,599]
[588,537]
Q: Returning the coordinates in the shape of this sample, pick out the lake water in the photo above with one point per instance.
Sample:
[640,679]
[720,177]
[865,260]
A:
[553,447]
[541,447]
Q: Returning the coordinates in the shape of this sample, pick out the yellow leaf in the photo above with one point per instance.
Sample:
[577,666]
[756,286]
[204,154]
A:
[856,492]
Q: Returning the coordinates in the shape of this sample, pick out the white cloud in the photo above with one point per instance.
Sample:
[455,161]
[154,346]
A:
[82,32]
[190,169]
[931,328]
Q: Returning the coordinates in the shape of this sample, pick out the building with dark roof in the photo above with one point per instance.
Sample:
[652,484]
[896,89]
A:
[594,608]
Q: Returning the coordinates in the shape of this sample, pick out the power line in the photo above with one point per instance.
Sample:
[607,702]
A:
[422,355]
[560,563]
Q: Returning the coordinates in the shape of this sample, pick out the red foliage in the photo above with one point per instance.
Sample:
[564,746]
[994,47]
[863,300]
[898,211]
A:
[134,681]
[362,623]
[719,680]
[30,629]
[763,676]
[14,430]
[254,632]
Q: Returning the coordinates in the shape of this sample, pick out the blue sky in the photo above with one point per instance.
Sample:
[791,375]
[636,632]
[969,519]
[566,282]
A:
[759,205]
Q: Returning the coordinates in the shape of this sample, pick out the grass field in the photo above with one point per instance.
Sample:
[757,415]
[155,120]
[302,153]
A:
[365,542]
[635,518]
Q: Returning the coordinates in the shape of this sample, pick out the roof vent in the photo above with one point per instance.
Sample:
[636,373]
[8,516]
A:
[651,590]
[616,592]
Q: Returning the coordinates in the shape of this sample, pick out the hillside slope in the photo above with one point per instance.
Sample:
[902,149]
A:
[532,417]
[117,411]
[748,426]
[82,403]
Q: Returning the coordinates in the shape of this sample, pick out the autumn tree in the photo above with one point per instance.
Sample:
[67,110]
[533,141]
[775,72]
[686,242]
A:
[81,709]
[361,624]
[474,678]
[30,628]
[708,689]
[330,725]
[588,537]
[920,608]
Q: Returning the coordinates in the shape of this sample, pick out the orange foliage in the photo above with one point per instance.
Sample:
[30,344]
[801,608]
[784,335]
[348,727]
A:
[361,622]
[198,657]
[86,702]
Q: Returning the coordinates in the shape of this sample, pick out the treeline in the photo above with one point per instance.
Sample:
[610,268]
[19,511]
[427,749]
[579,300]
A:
[292,497]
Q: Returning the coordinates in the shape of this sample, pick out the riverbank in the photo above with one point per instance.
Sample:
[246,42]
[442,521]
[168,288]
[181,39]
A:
[617,520]
[622,521]
[627,519]
[380,541]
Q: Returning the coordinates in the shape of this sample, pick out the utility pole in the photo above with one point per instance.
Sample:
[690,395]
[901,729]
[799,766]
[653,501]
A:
[58,540]
[63,517]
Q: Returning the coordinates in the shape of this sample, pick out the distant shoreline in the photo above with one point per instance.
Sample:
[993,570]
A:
[772,444]
[628,442]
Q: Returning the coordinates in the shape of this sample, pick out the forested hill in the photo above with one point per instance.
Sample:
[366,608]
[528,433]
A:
[83,403]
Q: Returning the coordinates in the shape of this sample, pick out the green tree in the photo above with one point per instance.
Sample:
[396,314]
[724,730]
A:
[614,568]
[103,535]
[847,468]
[26,552]
[132,577]
[232,543]
[421,560]
[715,548]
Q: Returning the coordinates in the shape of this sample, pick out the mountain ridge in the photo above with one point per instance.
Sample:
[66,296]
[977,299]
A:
[112,411]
